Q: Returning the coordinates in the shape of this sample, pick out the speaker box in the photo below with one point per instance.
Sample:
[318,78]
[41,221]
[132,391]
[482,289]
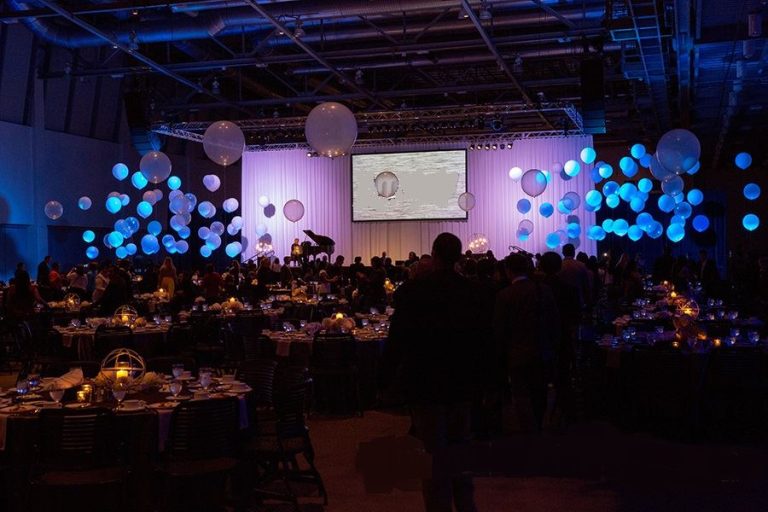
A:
[592,96]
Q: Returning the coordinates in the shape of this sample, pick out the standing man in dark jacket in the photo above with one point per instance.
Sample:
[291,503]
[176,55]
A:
[432,344]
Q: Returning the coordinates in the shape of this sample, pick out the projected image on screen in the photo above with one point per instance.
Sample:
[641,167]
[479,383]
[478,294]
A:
[408,186]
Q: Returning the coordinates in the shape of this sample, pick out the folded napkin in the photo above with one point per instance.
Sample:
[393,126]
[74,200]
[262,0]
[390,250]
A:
[69,380]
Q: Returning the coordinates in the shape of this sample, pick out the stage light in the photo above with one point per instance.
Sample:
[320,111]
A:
[494,147]
[487,147]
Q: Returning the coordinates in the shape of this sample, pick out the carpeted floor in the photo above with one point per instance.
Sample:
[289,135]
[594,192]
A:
[370,464]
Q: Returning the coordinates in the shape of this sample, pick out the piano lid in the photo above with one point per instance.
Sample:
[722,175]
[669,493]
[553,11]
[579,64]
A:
[319,239]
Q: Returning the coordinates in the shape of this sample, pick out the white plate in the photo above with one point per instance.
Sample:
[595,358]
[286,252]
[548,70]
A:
[15,409]
[78,405]
[163,405]
[178,398]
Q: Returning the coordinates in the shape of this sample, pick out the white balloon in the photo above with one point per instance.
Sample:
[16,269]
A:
[331,129]
[155,166]
[230,205]
[224,142]
[263,201]
[53,210]
[293,210]
[211,182]
[261,230]
[237,221]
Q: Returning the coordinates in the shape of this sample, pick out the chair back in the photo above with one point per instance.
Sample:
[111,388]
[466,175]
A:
[258,347]
[76,438]
[180,337]
[333,351]
[290,399]
[259,374]
[204,429]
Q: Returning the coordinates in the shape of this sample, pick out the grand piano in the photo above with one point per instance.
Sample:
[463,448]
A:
[325,245]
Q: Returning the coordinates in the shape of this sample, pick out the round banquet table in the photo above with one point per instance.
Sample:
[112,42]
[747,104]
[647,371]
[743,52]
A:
[148,340]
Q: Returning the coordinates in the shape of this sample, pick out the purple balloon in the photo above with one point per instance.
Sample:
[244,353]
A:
[293,210]
[525,226]
[534,182]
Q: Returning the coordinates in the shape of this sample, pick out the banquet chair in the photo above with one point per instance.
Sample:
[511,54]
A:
[76,452]
[180,339]
[259,374]
[164,364]
[258,347]
[106,339]
[200,454]
[209,349]
[335,372]
[284,449]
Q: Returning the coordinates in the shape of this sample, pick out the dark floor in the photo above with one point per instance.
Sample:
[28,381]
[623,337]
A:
[370,464]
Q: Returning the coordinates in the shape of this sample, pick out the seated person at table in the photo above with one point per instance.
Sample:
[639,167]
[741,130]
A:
[167,276]
[78,281]
[21,297]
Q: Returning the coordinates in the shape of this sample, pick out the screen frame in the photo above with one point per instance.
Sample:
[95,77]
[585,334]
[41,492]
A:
[352,183]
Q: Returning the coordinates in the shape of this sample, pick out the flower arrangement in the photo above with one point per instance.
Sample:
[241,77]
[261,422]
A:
[338,323]
[232,305]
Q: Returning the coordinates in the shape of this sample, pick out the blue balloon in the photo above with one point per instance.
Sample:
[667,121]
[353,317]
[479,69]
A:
[695,197]
[655,229]
[645,160]
[573,230]
[115,239]
[523,206]
[743,160]
[89,236]
[84,203]
[677,219]
[205,251]
[645,185]
[593,198]
[564,207]
[125,200]
[121,253]
[113,204]
[131,249]
[695,168]
[588,155]
[608,225]
[660,172]
[571,168]
[120,171]
[106,241]
[213,241]
[154,227]
[751,191]
[138,180]
[750,222]
[144,209]
[684,210]
[635,233]
[168,241]
[149,244]
[644,220]
[595,175]
[177,222]
[122,227]
[627,191]
[552,240]
[596,233]
[610,188]
[184,232]
[182,246]
[132,223]
[605,170]
[546,209]
[675,232]
[637,151]
[673,186]
[700,223]
[628,166]
[666,203]
[174,183]
[637,204]
[612,201]
[92,253]
[620,227]
[232,249]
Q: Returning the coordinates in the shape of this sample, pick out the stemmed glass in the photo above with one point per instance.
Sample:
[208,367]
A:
[178,370]
[56,395]
[119,391]
[175,388]
[22,388]
[205,379]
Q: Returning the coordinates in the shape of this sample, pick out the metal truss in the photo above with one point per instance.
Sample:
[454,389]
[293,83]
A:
[194,130]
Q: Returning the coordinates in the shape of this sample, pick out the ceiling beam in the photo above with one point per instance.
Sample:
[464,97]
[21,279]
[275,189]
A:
[99,8]
[499,58]
[544,7]
[136,55]
[309,51]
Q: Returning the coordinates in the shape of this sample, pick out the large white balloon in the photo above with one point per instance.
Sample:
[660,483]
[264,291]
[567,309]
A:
[230,205]
[678,150]
[331,129]
[224,142]
[386,184]
[467,201]
[293,210]
[155,166]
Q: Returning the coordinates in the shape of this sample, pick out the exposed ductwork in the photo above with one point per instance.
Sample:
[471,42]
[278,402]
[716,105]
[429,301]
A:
[229,20]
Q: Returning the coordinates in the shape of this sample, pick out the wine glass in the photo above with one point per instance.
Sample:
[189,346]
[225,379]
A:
[34,380]
[56,395]
[178,370]
[175,388]
[22,388]
[205,379]
[119,391]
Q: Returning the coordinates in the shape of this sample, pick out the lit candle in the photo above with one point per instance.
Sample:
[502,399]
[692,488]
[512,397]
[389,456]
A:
[673,294]
[81,397]
[231,299]
[121,375]
[717,342]
[339,316]
[124,319]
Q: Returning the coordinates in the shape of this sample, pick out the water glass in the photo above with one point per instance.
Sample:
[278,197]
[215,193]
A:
[735,332]
[178,370]
[205,379]
[302,323]
[754,337]
[119,393]
[34,380]
[22,388]
[75,323]
[364,322]
[168,319]
[156,319]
